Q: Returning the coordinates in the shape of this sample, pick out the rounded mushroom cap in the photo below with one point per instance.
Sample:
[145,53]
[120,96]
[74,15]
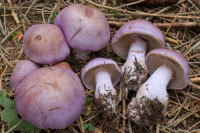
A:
[85,29]
[45,44]
[21,69]
[156,57]
[64,65]
[50,97]
[142,28]
[88,72]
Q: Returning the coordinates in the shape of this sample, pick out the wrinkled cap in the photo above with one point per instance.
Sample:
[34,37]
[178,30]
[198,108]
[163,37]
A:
[141,28]
[90,69]
[157,57]
[85,29]
[21,69]
[50,97]
[45,44]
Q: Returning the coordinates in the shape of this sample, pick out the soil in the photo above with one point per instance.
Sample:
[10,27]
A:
[179,23]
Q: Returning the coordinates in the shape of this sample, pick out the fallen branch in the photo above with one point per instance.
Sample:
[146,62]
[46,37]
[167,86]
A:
[142,13]
[13,13]
[195,79]
[162,25]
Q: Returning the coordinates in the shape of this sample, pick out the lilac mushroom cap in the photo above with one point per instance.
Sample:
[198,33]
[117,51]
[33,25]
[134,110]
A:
[85,29]
[102,74]
[45,44]
[50,97]
[21,69]
[180,65]
[144,29]
[90,69]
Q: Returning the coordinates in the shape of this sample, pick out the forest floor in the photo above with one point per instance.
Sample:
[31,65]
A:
[180,24]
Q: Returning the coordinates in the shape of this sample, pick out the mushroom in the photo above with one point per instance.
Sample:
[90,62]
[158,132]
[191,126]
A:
[64,65]
[131,42]
[85,29]
[21,69]
[50,97]
[102,74]
[45,44]
[168,69]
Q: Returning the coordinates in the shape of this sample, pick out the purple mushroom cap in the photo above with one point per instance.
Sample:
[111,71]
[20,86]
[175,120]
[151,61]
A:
[45,44]
[50,97]
[88,72]
[142,28]
[85,29]
[157,57]
[21,69]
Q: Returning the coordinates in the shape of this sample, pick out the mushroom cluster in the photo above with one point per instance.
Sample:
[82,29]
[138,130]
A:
[53,96]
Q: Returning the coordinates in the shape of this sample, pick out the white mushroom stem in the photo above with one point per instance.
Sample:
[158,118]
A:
[103,84]
[105,94]
[137,52]
[155,86]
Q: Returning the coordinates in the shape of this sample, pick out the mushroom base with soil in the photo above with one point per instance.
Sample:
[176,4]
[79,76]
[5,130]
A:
[152,98]
[134,69]
[147,112]
[105,94]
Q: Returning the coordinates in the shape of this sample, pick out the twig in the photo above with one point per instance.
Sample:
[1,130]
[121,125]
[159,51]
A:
[196,55]
[52,12]
[129,127]
[15,126]
[182,118]
[195,79]
[141,13]
[29,8]
[81,125]
[194,85]
[2,126]
[194,125]
[2,29]
[171,40]
[158,127]
[162,25]
[130,4]
[2,77]
[9,35]
[74,34]
[13,13]
[174,20]
[193,4]
[43,16]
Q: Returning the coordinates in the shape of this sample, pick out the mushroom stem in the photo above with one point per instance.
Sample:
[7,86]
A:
[134,67]
[152,98]
[105,94]
[82,55]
